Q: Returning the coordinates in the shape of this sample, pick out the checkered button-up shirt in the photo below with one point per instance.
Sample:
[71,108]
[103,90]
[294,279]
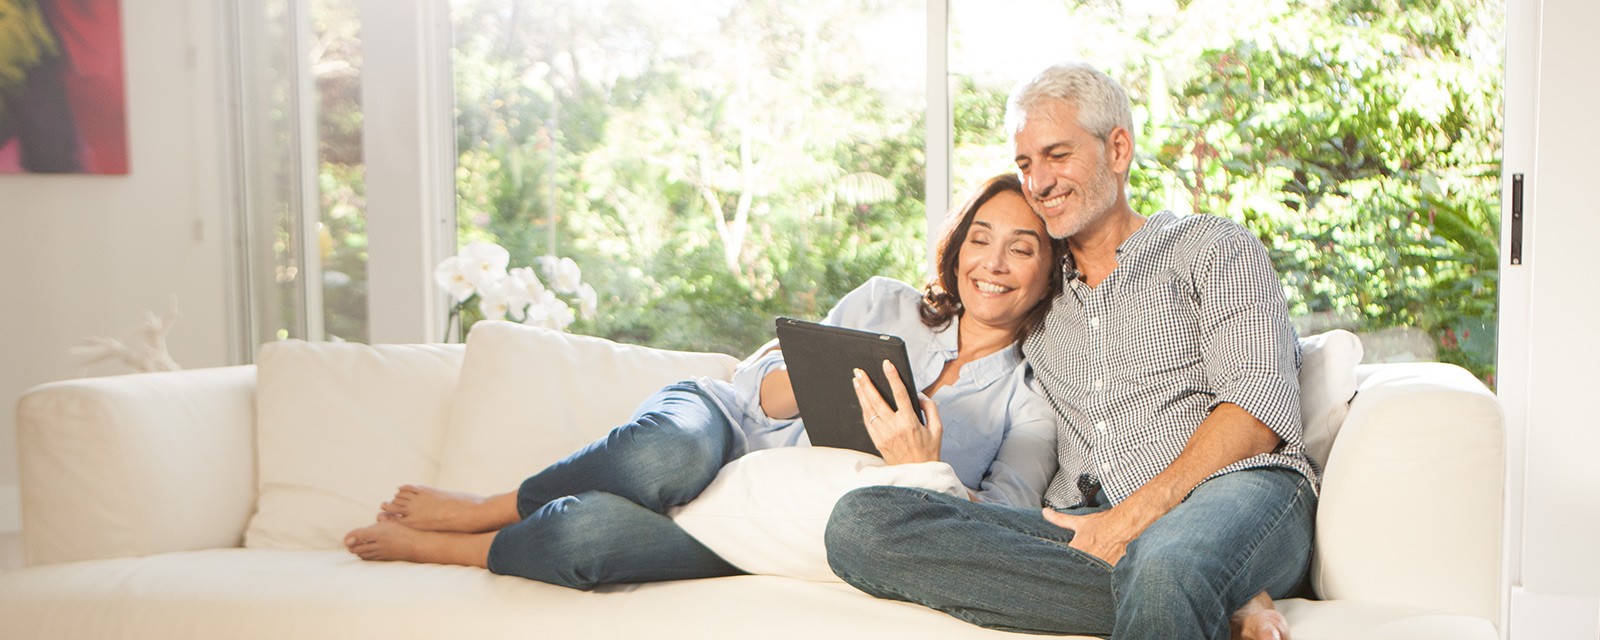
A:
[1193,316]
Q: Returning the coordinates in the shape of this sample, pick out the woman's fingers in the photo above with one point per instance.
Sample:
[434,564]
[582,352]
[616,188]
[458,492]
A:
[873,408]
[902,398]
[930,414]
[899,435]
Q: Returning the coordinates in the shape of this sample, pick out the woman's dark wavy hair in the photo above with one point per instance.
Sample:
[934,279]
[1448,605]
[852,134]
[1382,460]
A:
[941,300]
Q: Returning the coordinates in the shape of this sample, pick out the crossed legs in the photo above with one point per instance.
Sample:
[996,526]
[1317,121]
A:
[1235,536]
[594,518]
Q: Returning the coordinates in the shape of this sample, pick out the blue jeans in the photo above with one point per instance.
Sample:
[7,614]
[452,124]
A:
[598,516]
[1008,568]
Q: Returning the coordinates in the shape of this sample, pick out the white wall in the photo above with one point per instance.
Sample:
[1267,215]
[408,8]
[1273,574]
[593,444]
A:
[87,255]
[1558,580]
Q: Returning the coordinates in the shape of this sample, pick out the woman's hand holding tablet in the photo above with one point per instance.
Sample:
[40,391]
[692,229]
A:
[900,437]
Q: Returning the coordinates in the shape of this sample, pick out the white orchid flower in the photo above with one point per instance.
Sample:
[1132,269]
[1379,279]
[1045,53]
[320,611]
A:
[560,315]
[565,276]
[523,287]
[588,301]
[484,263]
[539,310]
[494,301]
[452,277]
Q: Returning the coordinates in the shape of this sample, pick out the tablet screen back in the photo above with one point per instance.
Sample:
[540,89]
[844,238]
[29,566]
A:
[820,359]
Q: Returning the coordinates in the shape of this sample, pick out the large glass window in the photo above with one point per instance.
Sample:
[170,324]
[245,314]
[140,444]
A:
[708,165]
[1360,140]
[302,155]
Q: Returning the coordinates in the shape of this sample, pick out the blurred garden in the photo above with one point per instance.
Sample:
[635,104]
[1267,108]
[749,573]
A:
[712,165]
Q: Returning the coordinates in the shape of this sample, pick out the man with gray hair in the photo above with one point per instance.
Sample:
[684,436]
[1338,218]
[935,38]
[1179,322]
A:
[1184,493]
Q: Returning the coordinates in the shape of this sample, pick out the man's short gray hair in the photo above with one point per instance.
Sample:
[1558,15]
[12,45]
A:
[1102,103]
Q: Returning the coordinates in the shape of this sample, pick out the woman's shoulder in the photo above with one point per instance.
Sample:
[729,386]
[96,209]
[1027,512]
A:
[886,286]
[878,296]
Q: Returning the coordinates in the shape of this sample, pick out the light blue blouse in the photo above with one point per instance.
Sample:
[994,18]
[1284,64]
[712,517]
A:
[999,431]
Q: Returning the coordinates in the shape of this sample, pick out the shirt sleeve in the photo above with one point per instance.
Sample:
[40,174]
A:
[1026,460]
[860,305]
[1251,355]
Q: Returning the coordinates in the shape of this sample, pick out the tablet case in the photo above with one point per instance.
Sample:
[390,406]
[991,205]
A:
[820,359]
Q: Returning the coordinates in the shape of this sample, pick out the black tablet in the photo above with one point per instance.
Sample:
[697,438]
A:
[821,360]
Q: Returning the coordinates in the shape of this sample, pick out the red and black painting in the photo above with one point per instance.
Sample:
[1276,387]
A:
[62,104]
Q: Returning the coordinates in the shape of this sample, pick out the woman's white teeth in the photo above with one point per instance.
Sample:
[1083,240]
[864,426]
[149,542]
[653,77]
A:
[990,287]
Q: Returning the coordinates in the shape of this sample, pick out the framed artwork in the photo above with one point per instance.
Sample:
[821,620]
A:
[62,103]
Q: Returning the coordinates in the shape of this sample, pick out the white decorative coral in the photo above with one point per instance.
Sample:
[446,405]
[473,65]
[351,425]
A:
[145,351]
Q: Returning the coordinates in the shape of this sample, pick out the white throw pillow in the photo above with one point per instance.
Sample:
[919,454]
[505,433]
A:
[529,397]
[1327,383]
[766,512]
[338,427]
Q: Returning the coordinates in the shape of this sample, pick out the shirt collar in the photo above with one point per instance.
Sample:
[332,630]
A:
[1142,237]
[1129,247]
[983,371]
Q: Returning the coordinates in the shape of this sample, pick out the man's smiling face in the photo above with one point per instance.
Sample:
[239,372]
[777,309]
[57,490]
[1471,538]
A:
[1066,170]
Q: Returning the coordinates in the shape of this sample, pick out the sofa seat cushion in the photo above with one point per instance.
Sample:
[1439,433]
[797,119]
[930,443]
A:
[1351,620]
[271,594]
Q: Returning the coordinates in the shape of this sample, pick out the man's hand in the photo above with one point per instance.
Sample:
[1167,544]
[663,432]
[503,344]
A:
[1104,535]
[1228,435]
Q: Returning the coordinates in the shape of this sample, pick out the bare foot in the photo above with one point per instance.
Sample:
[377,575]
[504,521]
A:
[390,540]
[428,509]
[1259,620]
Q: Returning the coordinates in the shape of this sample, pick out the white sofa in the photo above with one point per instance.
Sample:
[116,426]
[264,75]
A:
[208,504]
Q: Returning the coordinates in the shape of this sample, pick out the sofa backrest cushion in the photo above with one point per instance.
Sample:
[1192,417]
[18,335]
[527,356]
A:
[338,427]
[1327,383]
[528,397]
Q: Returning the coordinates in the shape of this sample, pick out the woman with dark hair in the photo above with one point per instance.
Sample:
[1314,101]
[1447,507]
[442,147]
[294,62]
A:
[598,516]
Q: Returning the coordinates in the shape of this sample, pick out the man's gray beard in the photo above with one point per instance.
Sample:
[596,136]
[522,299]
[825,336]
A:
[1099,199]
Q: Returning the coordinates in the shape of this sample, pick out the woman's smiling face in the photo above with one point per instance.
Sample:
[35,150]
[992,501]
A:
[1004,264]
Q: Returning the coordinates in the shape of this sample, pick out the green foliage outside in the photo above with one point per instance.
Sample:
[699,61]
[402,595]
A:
[711,168]
[1359,139]
[707,178]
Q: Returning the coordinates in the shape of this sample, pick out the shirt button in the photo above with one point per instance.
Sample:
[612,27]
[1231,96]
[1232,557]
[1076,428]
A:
[1099,384]
[1105,466]
[1100,426]
[1094,322]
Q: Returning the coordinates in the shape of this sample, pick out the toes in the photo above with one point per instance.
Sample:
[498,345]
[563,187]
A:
[386,516]
[355,537]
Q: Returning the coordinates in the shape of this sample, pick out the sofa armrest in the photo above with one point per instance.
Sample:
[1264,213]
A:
[1412,497]
[137,464]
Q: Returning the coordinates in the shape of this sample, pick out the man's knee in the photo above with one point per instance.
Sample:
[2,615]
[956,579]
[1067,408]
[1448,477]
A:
[863,522]
[1169,572]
